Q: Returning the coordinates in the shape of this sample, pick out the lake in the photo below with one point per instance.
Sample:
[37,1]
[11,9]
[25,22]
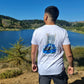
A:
[8,37]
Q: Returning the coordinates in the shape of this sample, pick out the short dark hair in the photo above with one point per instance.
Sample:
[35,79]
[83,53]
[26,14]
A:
[53,12]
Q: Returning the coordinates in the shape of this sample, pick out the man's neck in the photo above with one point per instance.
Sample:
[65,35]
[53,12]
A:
[50,23]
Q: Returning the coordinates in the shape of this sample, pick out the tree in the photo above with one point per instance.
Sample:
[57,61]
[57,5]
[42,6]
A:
[16,54]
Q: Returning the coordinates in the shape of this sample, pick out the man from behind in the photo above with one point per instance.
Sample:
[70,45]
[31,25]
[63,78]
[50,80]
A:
[51,41]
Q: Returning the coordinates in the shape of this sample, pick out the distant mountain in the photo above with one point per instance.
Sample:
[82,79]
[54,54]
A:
[12,23]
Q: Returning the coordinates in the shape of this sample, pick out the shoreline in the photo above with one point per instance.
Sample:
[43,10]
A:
[76,31]
[10,29]
[81,32]
[14,29]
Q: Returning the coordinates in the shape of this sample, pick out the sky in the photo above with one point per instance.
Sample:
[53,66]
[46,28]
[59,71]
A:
[70,10]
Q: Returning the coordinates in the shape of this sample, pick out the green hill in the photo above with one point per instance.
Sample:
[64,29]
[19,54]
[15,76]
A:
[7,22]
[11,23]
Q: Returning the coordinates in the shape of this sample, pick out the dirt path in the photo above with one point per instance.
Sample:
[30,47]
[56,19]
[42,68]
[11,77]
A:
[32,78]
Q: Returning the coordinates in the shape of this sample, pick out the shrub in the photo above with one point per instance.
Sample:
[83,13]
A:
[10,74]
[4,65]
[78,54]
[16,55]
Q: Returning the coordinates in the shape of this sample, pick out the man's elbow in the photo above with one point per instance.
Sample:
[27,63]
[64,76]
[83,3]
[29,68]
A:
[32,52]
[69,55]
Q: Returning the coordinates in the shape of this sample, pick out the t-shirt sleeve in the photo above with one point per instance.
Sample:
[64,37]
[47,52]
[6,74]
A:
[66,39]
[34,39]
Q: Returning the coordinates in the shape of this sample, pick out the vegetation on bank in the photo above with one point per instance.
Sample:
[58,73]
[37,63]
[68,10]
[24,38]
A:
[9,29]
[19,56]
[16,56]
[10,73]
[11,24]
[78,54]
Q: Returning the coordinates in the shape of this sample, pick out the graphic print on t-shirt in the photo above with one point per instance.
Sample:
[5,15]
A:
[50,46]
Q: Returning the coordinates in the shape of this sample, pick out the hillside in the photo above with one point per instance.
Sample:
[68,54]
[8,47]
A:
[7,22]
[11,23]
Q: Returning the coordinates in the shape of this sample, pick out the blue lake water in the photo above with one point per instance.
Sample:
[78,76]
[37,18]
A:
[8,37]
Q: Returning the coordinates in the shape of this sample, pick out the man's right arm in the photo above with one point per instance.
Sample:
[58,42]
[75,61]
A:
[69,56]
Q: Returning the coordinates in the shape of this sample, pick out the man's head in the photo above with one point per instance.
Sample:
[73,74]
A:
[51,14]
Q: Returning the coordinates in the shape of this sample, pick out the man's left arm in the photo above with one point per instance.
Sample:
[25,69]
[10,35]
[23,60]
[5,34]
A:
[68,53]
[69,56]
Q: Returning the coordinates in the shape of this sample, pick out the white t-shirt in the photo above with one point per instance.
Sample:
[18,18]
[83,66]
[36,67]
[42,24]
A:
[50,39]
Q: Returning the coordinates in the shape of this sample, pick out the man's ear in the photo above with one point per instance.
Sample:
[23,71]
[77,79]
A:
[45,16]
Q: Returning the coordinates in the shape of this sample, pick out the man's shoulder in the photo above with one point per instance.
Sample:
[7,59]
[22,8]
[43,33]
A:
[39,28]
[61,29]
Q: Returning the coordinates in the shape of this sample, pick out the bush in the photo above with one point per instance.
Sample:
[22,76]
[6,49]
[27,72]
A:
[16,55]
[10,74]
[78,54]
[4,65]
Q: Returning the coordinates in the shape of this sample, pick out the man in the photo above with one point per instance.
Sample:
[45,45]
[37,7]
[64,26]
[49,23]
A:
[51,41]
